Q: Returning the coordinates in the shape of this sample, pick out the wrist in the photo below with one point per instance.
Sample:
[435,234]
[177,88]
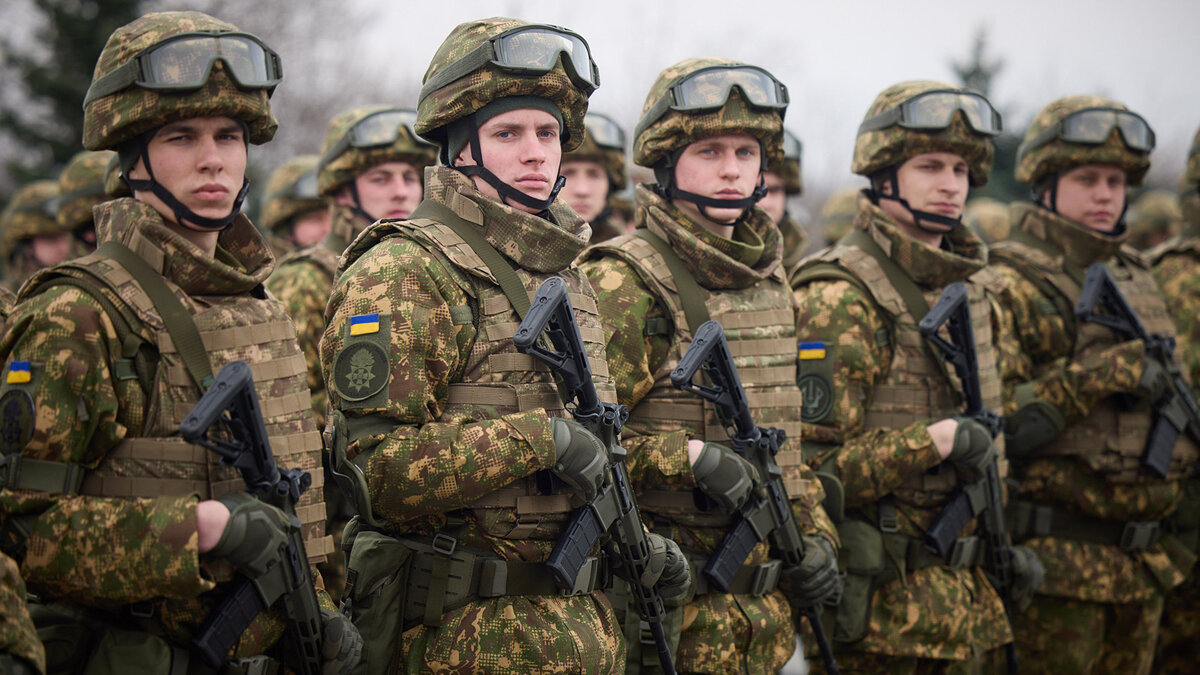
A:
[211,519]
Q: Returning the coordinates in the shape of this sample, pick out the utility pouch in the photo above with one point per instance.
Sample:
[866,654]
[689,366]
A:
[120,651]
[863,558]
[68,639]
[376,583]
[641,657]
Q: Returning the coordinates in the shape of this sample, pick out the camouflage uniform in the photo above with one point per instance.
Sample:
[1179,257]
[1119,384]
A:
[988,218]
[18,637]
[613,161]
[99,493]
[837,214]
[283,205]
[81,185]
[795,239]
[1082,502]
[1154,218]
[871,389]
[30,213]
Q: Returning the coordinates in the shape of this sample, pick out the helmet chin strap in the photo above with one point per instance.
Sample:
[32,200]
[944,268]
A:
[358,203]
[665,175]
[1117,230]
[177,207]
[505,190]
[917,215]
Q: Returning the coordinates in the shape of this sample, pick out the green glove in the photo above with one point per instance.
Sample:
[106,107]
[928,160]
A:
[341,644]
[254,536]
[973,451]
[582,460]
[675,583]
[724,476]
[815,581]
[1028,576]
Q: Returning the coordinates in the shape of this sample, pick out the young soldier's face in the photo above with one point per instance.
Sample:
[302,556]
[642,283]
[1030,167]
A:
[523,148]
[934,182]
[388,190]
[775,203]
[310,228]
[50,249]
[720,167]
[1092,195]
[586,189]
[201,161]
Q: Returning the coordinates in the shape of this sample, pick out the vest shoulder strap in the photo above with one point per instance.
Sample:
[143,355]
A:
[691,296]
[914,299]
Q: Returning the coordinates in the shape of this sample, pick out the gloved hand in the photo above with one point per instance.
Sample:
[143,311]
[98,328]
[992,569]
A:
[816,579]
[1153,383]
[724,476]
[582,459]
[341,644]
[254,536]
[666,570]
[973,451]
[1028,576]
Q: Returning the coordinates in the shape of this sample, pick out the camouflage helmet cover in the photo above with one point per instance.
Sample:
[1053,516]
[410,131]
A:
[111,120]
[1035,164]
[611,159]
[787,165]
[881,148]
[29,214]
[281,204]
[1155,212]
[81,185]
[470,93]
[353,161]
[657,139]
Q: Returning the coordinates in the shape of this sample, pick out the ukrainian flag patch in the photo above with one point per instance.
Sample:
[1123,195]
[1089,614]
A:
[364,324]
[810,351]
[18,372]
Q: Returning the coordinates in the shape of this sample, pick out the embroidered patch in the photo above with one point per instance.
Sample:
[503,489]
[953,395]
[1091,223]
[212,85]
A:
[812,350]
[16,421]
[818,398]
[360,370]
[364,324]
[18,372]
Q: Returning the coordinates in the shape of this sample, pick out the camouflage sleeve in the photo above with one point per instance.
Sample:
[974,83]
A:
[1179,280]
[422,466]
[88,548]
[18,636]
[870,464]
[625,306]
[807,508]
[303,288]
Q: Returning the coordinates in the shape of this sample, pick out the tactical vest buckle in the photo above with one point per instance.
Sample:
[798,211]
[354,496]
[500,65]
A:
[766,578]
[586,580]
[444,544]
[964,553]
[1139,536]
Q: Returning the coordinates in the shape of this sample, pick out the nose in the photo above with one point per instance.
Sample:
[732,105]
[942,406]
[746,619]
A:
[730,167]
[948,182]
[532,150]
[210,157]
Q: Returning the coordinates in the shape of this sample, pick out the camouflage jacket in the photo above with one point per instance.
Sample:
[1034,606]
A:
[721,632]
[423,388]
[106,552]
[18,637]
[1079,380]
[302,282]
[1177,270]
[7,300]
[795,240]
[937,611]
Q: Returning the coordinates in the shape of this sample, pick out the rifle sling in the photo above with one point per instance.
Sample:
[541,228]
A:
[691,295]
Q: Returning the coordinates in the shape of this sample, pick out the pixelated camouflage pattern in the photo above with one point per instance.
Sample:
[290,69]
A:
[26,217]
[1153,218]
[442,456]
[675,130]
[1177,270]
[794,242]
[469,94]
[988,218]
[1060,635]
[1178,648]
[935,612]
[114,185]
[1035,164]
[18,637]
[837,213]
[879,149]
[356,161]
[8,299]
[281,207]
[788,168]
[611,159]
[81,186]
[113,119]
[105,552]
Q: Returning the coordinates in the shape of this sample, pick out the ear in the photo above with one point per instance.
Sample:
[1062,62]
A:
[464,157]
[343,196]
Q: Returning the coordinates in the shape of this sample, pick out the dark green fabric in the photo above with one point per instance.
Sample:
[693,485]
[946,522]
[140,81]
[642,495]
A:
[691,295]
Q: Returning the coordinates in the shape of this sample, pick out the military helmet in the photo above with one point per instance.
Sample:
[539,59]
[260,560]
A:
[1155,215]
[1078,130]
[489,59]
[367,136]
[920,116]
[30,213]
[114,185]
[988,218]
[788,165]
[81,185]
[838,212]
[702,97]
[1191,175]
[603,143]
[291,191]
[169,66]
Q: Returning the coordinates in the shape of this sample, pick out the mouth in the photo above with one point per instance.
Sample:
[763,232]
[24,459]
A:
[1100,215]
[533,180]
[729,194]
[211,192]
[945,208]
[399,213]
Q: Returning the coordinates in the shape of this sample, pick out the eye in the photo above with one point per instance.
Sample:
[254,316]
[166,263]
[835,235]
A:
[505,134]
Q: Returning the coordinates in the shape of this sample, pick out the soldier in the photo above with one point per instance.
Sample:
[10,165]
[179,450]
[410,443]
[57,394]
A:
[703,250]
[128,535]
[451,425]
[881,411]
[1154,218]
[988,219]
[783,179]
[837,214]
[595,173]
[32,238]
[21,652]
[294,214]
[1084,502]
[80,187]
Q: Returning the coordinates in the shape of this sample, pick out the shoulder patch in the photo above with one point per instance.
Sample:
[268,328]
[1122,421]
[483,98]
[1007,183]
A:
[817,393]
[360,370]
[16,421]
[18,373]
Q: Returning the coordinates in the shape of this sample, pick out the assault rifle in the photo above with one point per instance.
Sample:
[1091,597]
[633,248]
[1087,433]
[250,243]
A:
[768,514]
[231,399]
[614,509]
[1176,409]
[984,498]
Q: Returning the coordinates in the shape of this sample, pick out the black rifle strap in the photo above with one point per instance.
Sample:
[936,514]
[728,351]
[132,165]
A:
[691,295]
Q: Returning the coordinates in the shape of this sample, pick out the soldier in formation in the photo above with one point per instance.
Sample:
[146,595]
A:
[294,215]
[784,180]
[595,173]
[81,185]
[30,237]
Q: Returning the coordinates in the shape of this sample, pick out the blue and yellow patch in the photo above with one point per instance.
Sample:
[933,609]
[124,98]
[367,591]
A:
[364,324]
[812,350]
[18,372]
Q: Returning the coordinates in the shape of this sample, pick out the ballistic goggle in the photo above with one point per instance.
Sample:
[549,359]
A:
[304,189]
[378,129]
[184,62]
[1093,127]
[792,147]
[934,111]
[526,49]
[709,88]
[605,132]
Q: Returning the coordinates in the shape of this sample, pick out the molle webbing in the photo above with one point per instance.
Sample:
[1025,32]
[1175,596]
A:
[691,297]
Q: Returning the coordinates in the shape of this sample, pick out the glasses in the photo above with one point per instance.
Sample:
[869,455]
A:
[526,49]
[792,146]
[304,189]
[375,130]
[1093,127]
[605,132]
[935,110]
[184,62]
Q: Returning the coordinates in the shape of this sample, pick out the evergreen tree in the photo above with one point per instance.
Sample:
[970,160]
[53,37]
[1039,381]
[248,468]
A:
[977,73]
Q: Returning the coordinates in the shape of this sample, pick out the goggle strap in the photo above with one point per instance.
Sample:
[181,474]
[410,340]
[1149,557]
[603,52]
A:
[473,61]
[124,76]
[883,120]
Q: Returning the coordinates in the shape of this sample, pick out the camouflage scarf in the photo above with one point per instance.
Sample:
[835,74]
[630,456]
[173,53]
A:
[962,253]
[242,262]
[749,256]
[1080,246]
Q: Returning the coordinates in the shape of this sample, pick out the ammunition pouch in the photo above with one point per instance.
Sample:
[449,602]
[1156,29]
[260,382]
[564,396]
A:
[756,580]
[1027,520]
[641,654]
